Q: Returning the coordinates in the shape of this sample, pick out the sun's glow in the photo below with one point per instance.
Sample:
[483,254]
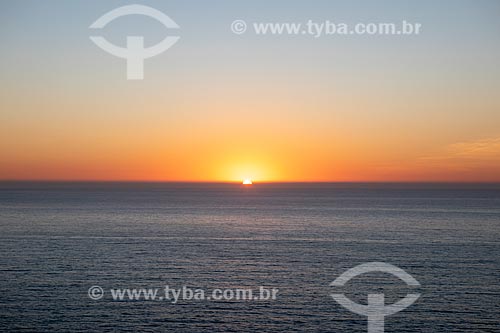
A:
[247,182]
[237,168]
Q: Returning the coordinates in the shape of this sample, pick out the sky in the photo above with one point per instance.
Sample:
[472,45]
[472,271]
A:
[220,106]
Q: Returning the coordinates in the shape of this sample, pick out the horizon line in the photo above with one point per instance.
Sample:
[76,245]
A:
[254,181]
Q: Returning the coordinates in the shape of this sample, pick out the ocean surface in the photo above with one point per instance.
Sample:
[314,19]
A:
[59,239]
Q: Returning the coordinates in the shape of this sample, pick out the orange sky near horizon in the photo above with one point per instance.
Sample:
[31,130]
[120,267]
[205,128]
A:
[266,141]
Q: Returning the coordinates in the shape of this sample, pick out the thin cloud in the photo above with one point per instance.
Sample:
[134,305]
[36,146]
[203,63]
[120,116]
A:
[479,150]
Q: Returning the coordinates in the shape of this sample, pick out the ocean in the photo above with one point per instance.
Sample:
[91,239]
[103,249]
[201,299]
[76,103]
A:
[57,240]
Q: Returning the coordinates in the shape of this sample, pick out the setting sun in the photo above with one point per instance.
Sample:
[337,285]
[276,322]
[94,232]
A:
[247,182]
